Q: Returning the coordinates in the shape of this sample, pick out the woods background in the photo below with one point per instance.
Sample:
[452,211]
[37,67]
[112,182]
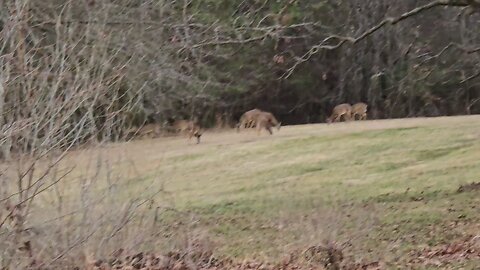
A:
[79,70]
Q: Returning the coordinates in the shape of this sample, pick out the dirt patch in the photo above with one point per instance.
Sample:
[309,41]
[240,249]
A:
[475,186]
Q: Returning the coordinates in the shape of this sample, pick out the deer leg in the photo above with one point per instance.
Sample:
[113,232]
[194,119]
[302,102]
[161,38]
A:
[348,117]
[269,129]
[337,117]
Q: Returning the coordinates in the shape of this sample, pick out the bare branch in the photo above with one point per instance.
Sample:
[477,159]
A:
[390,20]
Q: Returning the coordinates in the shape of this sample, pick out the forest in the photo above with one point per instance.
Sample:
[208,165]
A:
[89,70]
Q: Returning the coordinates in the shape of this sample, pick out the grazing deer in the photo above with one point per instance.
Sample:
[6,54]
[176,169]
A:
[247,120]
[266,120]
[190,126]
[359,109]
[250,118]
[263,121]
[271,119]
[344,109]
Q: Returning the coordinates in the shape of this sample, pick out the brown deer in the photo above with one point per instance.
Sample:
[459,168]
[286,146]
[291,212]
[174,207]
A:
[263,121]
[247,120]
[250,119]
[189,126]
[266,120]
[340,110]
[271,119]
[359,109]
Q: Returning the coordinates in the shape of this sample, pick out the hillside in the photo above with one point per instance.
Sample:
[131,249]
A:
[387,187]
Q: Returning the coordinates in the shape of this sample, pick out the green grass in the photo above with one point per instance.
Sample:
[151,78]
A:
[383,185]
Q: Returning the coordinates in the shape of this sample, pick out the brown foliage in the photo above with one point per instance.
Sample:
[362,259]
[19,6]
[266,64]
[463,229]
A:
[467,248]
[328,257]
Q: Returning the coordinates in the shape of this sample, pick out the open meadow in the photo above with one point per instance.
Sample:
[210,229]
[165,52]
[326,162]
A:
[383,191]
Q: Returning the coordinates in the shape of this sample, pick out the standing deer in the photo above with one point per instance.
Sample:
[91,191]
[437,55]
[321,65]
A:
[251,118]
[270,118]
[190,126]
[247,120]
[359,109]
[344,109]
[263,122]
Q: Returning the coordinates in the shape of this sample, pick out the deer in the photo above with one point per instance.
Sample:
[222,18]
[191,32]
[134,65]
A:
[340,110]
[251,118]
[359,109]
[247,120]
[263,122]
[270,118]
[190,126]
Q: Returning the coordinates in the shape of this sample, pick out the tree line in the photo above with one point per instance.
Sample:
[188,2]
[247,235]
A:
[75,71]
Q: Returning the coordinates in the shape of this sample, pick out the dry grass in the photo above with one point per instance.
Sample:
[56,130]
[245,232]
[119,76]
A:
[355,154]
[382,188]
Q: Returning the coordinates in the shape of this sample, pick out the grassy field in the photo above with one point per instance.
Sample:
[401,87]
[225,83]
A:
[385,189]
